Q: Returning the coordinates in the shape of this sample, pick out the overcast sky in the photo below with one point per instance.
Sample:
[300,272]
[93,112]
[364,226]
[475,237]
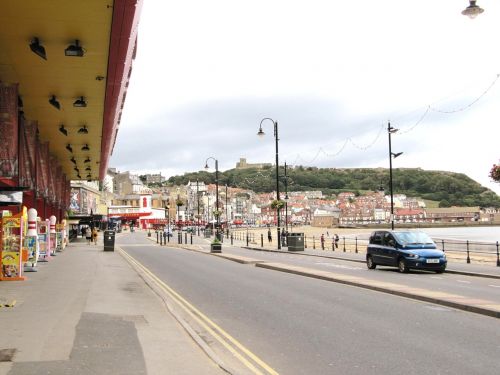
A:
[331,72]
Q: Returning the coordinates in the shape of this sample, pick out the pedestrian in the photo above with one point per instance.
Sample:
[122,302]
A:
[269,236]
[336,240]
[94,236]
[322,241]
[88,235]
[283,237]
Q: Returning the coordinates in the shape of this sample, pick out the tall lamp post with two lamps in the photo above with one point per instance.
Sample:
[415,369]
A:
[261,134]
[390,131]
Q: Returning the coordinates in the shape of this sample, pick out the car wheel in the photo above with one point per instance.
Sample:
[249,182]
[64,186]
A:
[403,268]
[370,263]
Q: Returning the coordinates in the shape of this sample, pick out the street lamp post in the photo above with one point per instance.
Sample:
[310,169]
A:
[167,216]
[390,131]
[286,201]
[208,209]
[216,194]
[198,207]
[261,134]
[227,218]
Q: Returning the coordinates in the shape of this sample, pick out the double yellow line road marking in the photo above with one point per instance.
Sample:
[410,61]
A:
[254,364]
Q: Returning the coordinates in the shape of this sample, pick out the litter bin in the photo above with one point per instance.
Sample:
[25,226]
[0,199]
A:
[109,240]
[295,241]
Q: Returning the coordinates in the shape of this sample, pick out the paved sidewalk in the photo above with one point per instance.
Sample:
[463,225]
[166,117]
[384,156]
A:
[88,312]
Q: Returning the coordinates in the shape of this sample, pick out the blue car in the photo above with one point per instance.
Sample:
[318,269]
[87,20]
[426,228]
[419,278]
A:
[405,250]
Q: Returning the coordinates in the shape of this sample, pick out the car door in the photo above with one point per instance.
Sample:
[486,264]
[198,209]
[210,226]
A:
[390,252]
[375,245]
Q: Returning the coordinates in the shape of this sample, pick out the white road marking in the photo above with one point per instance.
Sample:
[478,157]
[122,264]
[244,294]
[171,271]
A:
[464,281]
[495,286]
[338,266]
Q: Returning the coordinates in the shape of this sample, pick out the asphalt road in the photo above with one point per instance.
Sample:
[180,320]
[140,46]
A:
[467,286]
[305,326]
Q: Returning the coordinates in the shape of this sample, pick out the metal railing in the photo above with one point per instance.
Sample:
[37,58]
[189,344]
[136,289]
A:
[466,250]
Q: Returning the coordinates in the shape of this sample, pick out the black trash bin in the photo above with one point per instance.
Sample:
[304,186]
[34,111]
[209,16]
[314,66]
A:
[295,241]
[109,240]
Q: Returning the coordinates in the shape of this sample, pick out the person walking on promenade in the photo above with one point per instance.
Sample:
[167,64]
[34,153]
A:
[322,241]
[88,235]
[283,237]
[336,236]
[269,236]
[94,236]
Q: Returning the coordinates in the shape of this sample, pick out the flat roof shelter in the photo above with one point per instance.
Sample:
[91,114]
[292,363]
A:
[64,72]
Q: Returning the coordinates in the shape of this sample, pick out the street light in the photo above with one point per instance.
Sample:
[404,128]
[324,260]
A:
[473,10]
[391,130]
[167,216]
[261,134]
[216,193]
[286,201]
[198,207]
[227,218]
[167,213]
[208,208]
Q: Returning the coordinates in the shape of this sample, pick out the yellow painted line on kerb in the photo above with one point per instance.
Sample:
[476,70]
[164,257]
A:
[208,324]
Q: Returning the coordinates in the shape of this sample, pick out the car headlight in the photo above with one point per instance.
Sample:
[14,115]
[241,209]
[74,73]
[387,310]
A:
[413,256]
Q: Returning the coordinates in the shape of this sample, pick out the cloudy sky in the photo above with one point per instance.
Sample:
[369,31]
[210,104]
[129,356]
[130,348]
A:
[331,72]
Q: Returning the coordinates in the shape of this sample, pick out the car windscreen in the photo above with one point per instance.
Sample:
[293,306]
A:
[413,238]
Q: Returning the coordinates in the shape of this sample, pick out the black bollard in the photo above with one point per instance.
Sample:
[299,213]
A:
[261,240]
[344,243]
[231,238]
[185,238]
[314,243]
[161,240]
[356,250]
[164,238]
[191,238]
[157,240]
[468,257]
[498,257]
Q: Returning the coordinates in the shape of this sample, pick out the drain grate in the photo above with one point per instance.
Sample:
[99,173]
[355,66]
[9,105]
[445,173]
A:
[6,355]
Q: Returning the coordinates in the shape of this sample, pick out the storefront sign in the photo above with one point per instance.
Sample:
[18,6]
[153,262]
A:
[13,197]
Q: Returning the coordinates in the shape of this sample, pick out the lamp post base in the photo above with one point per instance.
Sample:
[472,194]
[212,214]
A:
[215,248]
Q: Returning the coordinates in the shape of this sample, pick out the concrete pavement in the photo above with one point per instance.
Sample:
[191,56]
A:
[88,312]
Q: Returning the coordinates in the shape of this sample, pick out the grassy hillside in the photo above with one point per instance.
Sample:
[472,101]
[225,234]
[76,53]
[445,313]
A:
[445,188]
